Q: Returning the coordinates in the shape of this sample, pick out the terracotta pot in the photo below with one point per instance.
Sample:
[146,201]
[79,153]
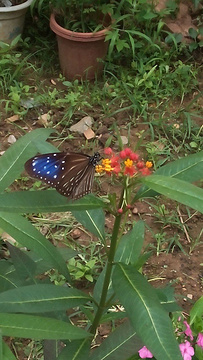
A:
[12,20]
[80,54]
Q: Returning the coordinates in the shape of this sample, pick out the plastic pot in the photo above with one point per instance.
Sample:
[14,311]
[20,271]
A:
[12,21]
[80,54]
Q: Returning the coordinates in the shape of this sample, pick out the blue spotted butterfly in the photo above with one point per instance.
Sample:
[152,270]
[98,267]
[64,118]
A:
[72,174]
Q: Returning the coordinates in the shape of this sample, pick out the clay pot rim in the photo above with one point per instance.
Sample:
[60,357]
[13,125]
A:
[15,7]
[76,36]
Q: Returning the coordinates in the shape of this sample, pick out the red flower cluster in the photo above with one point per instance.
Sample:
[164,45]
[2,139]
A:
[125,163]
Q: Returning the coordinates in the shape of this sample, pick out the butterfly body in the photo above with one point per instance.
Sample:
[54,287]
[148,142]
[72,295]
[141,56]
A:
[72,174]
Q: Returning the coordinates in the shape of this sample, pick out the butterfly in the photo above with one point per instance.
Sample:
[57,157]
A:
[72,174]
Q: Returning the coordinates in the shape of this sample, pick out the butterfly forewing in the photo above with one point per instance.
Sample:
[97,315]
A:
[46,167]
[72,174]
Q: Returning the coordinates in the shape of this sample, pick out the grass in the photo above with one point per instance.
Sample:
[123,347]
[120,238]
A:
[151,91]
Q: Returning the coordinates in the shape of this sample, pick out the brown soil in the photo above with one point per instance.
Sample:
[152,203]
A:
[180,267]
[183,270]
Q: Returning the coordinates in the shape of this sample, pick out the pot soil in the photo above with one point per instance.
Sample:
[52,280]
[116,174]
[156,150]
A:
[80,54]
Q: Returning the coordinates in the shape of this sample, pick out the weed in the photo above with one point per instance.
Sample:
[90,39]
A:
[16,94]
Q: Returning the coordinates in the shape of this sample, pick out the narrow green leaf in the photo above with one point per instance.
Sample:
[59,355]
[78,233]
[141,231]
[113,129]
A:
[12,161]
[92,220]
[128,251]
[76,350]
[189,168]
[8,278]
[36,327]
[176,189]
[25,233]
[167,299]
[197,310]
[147,316]
[24,265]
[1,345]
[51,349]
[41,298]
[7,353]
[120,344]
[130,245]
[45,201]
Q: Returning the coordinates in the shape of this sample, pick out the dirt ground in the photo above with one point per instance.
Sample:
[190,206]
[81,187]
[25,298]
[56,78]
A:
[183,270]
[180,267]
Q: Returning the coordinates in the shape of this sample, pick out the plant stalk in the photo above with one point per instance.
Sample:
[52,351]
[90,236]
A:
[109,267]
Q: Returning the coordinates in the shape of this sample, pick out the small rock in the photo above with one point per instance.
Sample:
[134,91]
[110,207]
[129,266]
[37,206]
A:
[89,134]
[11,139]
[124,140]
[135,210]
[82,125]
[43,119]
[76,234]
[190,296]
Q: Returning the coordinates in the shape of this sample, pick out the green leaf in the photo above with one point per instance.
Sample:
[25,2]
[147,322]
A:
[189,168]
[41,298]
[130,245]
[7,353]
[167,299]
[12,161]
[193,33]
[8,278]
[51,349]
[24,265]
[197,310]
[1,345]
[176,189]
[76,350]
[128,251]
[120,344]
[198,353]
[147,316]
[26,234]
[45,201]
[92,220]
[36,327]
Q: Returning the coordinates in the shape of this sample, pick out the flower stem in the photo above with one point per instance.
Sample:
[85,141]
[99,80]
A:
[107,277]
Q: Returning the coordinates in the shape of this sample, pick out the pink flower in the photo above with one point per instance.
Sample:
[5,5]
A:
[200,340]
[129,171]
[108,151]
[134,156]
[114,161]
[187,350]
[122,154]
[145,353]
[120,211]
[128,151]
[140,165]
[188,331]
[145,172]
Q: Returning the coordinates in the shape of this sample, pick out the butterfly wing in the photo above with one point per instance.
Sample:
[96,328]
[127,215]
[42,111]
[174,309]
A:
[46,167]
[72,174]
[78,180]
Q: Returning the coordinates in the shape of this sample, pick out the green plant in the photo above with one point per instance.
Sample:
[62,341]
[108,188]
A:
[82,15]
[17,94]
[24,295]
[188,330]
[79,270]
[11,65]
